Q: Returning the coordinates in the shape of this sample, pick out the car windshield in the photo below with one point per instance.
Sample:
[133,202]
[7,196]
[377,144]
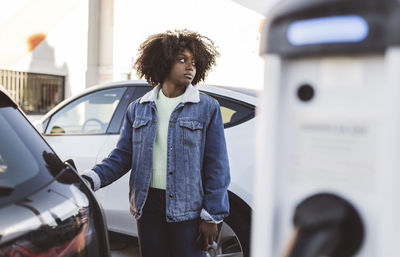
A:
[26,161]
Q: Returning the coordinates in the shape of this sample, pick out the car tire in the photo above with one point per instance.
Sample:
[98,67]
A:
[239,220]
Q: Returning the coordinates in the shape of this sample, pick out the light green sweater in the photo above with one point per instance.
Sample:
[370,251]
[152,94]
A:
[165,107]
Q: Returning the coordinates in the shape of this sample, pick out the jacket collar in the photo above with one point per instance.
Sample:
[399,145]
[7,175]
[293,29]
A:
[191,95]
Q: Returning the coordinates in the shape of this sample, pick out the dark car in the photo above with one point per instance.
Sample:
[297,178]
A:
[45,207]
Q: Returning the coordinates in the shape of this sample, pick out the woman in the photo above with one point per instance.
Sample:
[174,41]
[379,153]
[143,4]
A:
[173,141]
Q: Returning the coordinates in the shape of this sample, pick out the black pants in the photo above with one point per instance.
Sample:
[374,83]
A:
[157,238]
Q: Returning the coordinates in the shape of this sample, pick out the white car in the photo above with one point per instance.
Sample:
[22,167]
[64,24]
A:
[86,128]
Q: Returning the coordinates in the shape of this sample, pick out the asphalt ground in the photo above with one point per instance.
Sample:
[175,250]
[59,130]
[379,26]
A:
[123,246]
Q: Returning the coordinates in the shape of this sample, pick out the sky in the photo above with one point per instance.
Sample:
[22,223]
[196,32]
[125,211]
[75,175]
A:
[234,29]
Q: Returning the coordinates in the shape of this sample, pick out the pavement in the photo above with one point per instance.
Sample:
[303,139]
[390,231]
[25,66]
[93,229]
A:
[123,246]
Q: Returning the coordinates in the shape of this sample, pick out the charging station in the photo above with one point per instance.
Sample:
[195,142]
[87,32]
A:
[328,157]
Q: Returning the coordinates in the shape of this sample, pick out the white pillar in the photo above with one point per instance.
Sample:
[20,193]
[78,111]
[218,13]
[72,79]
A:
[100,42]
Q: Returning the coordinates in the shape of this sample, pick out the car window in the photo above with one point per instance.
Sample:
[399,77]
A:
[141,91]
[233,111]
[227,114]
[90,114]
[26,161]
[131,95]
[13,171]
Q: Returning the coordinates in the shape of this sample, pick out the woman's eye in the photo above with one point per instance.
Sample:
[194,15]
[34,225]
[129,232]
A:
[182,60]
[193,63]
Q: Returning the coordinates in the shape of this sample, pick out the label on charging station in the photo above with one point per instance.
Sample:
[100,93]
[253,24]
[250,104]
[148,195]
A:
[334,153]
[334,69]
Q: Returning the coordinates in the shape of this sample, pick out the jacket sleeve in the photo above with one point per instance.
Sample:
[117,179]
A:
[216,174]
[119,161]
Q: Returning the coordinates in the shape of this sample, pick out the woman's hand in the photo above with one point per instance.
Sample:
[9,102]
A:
[210,233]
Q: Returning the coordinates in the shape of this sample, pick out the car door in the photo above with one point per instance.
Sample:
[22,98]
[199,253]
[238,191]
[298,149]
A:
[82,126]
[114,197]
[239,122]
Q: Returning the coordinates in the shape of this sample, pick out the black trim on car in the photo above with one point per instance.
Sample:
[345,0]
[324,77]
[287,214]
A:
[119,113]
[119,119]
[245,118]
[5,100]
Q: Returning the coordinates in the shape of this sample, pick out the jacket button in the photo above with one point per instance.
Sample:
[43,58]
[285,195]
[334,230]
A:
[171,172]
[171,195]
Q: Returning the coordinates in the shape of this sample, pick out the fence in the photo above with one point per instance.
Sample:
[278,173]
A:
[35,93]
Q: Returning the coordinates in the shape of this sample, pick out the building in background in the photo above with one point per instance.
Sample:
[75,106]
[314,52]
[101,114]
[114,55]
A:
[52,49]
[44,50]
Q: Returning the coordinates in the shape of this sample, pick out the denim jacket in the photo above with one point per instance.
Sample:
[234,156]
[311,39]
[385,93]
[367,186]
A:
[197,161]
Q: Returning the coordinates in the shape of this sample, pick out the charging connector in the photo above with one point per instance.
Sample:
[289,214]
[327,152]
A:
[326,225]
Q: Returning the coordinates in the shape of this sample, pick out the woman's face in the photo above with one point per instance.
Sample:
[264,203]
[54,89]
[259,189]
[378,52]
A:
[183,69]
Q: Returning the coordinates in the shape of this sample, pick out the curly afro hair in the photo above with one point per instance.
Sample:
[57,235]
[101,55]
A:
[157,55]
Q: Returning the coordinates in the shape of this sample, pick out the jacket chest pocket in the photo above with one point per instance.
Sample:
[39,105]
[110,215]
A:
[139,130]
[192,131]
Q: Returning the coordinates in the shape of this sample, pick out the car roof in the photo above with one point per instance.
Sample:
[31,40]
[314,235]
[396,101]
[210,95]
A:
[246,91]
[244,94]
